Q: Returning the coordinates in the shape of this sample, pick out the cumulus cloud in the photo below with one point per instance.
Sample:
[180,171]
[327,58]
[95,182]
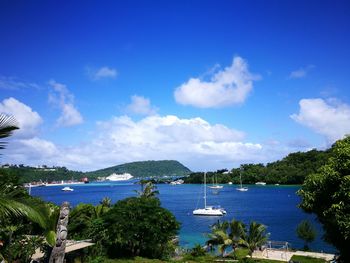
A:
[62,98]
[141,105]
[329,118]
[301,72]
[101,73]
[226,87]
[27,119]
[194,142]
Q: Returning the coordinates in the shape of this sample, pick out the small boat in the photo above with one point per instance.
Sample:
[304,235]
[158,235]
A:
[229,182]
[242,189]
[260,183]
[208,210]
[67,189]
[215,185]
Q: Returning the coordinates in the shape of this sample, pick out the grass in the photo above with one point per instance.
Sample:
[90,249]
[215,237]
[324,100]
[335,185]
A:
[241,258]
[204,259]
[303,259]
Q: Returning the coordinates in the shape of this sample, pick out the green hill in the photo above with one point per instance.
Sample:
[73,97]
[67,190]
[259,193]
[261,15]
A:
[144,169]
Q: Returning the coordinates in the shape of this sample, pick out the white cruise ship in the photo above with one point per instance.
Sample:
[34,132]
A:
[119,177]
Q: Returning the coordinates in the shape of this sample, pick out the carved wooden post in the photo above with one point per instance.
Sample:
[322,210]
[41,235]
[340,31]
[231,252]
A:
[58,251]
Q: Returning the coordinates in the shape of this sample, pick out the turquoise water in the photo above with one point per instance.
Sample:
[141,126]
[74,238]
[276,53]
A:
[274,206]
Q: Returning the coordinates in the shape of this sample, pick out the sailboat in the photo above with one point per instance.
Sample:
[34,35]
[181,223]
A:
[242,189]
[215,185]
[208,210]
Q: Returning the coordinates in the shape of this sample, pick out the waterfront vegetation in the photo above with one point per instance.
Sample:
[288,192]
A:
[290,170]
[327,194]
[139,229]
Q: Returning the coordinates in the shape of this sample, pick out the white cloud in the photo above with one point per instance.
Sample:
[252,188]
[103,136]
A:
[10,83]
[141,105]
[27,119]
[194,142]
[62,98]
[301,72]
[329,118]
[103,72]
[229,86]
[39,147]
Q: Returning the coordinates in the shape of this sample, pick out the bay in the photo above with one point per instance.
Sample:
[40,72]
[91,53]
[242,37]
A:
[273,206]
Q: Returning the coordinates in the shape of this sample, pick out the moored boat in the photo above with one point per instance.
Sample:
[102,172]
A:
[67,189]
[208,210]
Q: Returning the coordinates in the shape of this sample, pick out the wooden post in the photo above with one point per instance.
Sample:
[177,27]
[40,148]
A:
[58,251]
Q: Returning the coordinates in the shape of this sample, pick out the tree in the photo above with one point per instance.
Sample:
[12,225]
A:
[226,235]
[14,201]
[327,194]
[149,190]
[306,232]
[220,238]
[82,217]
[139,227]
[255,238]
[106,202]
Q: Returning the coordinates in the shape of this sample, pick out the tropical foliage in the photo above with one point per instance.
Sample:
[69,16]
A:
[290,170]
[306,232]
[20,214]
[145,169]
[139,226]
[255,237]
[232,235]
[137,169]
[327,194]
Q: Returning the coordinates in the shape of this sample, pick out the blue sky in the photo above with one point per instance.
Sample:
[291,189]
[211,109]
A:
[212,84]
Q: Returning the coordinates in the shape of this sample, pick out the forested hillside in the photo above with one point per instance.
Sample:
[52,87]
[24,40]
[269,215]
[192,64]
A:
[290,170]
[144,169]
[30,174]
[137,169]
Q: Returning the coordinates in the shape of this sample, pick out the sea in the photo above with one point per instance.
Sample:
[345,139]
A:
[274,206]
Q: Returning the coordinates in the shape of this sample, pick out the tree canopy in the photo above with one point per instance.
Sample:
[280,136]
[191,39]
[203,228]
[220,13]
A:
[139,226]
[327,194]
[290,170]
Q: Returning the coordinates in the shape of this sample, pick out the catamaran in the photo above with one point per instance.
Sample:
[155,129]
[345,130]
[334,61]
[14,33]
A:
[208,210]
[242,189]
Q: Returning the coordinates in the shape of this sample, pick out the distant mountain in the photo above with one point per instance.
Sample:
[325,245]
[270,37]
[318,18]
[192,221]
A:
[144,169]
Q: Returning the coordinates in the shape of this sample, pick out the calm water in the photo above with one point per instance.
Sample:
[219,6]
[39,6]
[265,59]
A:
[274,206]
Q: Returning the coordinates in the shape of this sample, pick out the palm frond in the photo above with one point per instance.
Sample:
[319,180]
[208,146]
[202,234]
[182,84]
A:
[20,208]
[7,125]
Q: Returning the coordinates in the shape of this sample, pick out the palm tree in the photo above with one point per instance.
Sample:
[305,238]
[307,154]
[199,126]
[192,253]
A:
[106,202]
[149,191]
[225,235]
[219,237]
[255,238]
[13,201]
[237,232]
[306,232]
[7,125]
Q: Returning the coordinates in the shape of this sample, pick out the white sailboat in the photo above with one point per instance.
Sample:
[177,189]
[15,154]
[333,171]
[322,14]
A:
[208,210]
[242,189]
[215,185]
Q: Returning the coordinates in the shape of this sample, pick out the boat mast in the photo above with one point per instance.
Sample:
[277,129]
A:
[240,176]
[205,191]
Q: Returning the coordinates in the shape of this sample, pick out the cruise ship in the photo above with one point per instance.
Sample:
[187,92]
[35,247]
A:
[119,177]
